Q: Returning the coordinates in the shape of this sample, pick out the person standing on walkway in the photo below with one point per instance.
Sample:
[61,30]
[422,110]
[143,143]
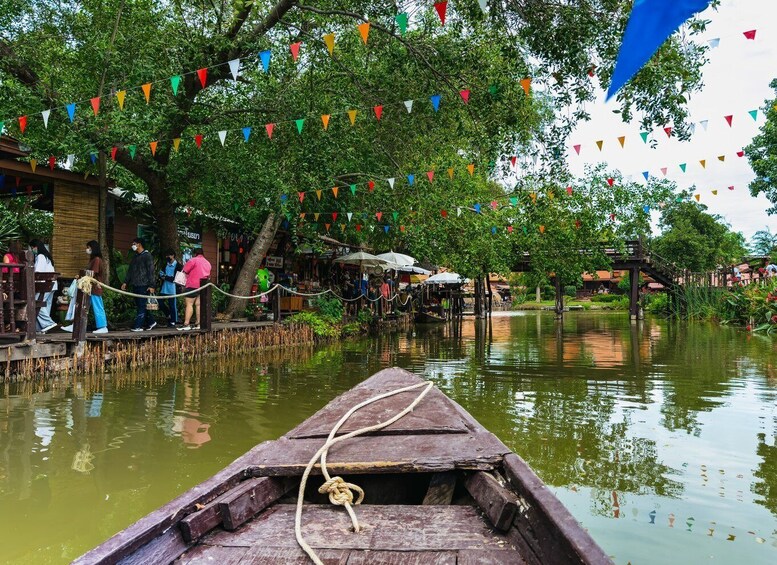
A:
[140,280]
[13,255]
[44,264]
[196,269]
[169,305]
[97,266]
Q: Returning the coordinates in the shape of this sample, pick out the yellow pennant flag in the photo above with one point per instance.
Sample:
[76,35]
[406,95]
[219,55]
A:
[525,84]
[715,192]
[176,143]
[471,169]
[599,144]
[352,116]
[147,91]
[325,120]
[703,163]
[315,216]
[551,195]
[120,97]
[342,227]
[33,164]
[334,191]
[721,157]
[697,196]
[153,145]
[329,39]
[622,140]
[533,197]
[318,194]
[364,31]
[450,173]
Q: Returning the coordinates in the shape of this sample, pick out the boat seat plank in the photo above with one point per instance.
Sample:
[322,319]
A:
[213,555]
[250,498]
[490,557]
[441,487]
[383,454]
[386,528]
[498,503]
[402,558]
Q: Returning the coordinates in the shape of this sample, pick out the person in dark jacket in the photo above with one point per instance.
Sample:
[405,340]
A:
[140,279]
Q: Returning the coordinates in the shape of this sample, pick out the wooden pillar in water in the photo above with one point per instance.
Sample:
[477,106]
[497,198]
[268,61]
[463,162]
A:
[478,302]
[634,293]
[81,316]
[206,306]
[28,274]
[490,303]
[559,307]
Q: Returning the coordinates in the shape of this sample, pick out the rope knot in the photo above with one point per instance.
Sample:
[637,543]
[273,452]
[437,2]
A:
[339,491]
[85,285]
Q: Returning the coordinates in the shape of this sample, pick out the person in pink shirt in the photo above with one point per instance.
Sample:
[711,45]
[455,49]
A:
[196,269]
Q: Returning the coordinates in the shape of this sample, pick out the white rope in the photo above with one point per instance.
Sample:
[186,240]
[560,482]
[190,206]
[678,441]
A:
[336,487]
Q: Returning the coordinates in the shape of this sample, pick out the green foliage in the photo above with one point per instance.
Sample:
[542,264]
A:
[120,310]
[624,285]
[329,308]
[761,154]
[606,298]
[570,290]
[322,327]
[364,317]
[657,303]
[764,242]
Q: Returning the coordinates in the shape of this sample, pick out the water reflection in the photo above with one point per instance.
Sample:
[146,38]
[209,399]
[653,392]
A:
[659,437]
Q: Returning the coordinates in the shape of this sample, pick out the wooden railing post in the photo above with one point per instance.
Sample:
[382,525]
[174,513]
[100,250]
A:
[206,305]
[276,305]
[81,315]
[28,281]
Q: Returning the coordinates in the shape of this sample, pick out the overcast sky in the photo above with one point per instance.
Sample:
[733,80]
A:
[736,80]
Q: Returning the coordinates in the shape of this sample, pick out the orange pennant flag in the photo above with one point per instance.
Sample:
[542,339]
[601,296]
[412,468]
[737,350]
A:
[176,144]
[352,116]
[471,169]
[33,164]
[153,145]
[533,197]
[318,194]
[327,227]
[302,215]
[703,163]
[325,120]
[622,140]
[329,39]
[697,196]
[120,95]
[525,84]
[542,229]
[95,105]
[334,191]
[450,173]
[599,144]
[364,31]
[147,91]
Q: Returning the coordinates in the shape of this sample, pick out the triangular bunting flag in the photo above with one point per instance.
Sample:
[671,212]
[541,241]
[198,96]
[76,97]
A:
[430,175]
[342,227]
[352,116]
[721,158]
[300,124]
[198,140]
[514,199]
[477,208]
[395,215]
[464,95]
[71,159]
[269,128]
[378,111]
[371,185]
[364,31]
[740,153]
[513,161]
[120,95]
[386,228]
[682,167]
[599,144]
[334,216]
[114,149]
[223,137]
[318,194]
[379,215]
[350,215]
[622,140]
[646,174]
[391,182]
[441,8]
[329,39]
[153,146]
[509,229]
[45,114]
[409,105]
[325,120]
[526,85]
[471,169]
[731,188]
[401,20]
[753,114]
[202,74]
[294,48]
[444,213]
[542,229]
[668,131]
[435,98]
[533,196]
[714,192]
[353,189]
[358,227]
[315,216]
[494,204]
[334,191]
[704,123]
[663,171]
[729,119]
[697,196]
[703,163]
[577,149]
[234,68]
[644,136]
[246,133]
[327,226]
[450,172]
[411,179]
[146,88]
[749,34]
[22,123]
[95,105]
[52,162]
[713,43]
[646,209]
[71,111]
[610,181]
[176,144]
[264,58]
[301,196]
[175,82]
[132,150]
[33,165]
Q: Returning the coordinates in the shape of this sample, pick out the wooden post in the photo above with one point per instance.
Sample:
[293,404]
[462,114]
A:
[81,315]
[490,294]
[559,307]
[28,276]
[634,294]
[206,305]
[276,305]
[538,294]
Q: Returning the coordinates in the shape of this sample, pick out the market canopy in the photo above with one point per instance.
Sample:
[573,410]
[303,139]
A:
[397,258]
[446,278]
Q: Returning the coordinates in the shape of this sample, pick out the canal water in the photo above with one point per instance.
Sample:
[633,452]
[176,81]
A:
[660,438]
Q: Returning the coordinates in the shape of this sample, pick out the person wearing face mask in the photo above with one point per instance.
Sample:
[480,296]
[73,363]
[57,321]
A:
[140,279]
[97,266]
[44,264]
[169,306]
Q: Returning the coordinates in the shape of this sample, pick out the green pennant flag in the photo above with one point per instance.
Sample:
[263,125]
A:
[396,215]
[524,230]
[682,166]
[491,165]
[401,22]
[644,135]
[314,225]
[753,114]
[678,199]
[2,127]
[514,201]
[300,123]
[353,189]
[175,83]
[132,150]
[493,90]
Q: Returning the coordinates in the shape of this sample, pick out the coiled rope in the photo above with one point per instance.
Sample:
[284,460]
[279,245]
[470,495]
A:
[338,490]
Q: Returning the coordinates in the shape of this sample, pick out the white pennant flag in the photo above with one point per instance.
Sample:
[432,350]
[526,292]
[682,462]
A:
[535,158]
[483,4]
[234,67]
[704,124]
[267,200]
[409,105]
[692,128]
[71,159]
[458,211]
[714,42]
[223,136]
[350,215]
[372,228]
[45,114]
[391,182]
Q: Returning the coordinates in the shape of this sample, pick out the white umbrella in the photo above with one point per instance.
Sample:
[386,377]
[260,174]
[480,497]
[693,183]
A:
[414,270]
[446,278]
[397,258]
[361,259]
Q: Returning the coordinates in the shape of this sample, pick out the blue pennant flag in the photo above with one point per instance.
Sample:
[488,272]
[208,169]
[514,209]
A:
[285,224]
[265,57]
[651,22]
[284,197]
[435,98]
[386,228]
[477,208]
[493,231]
[646,175]
[71,111]
[411,180]
[93,157]
[246,133]
[646,209]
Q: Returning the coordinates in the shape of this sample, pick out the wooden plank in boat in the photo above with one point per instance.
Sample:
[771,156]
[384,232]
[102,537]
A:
[402,558]
[386,528]
[213,555]
[250,498]
[257,555]
[498,503]
[383,454]
[489,557]
[162,549]
[441,487]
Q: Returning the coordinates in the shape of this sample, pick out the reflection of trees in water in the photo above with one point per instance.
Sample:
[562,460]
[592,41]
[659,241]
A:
[766,486]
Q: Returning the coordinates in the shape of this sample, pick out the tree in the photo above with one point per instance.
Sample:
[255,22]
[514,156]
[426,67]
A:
[695,240]
[762,154]
[764,242]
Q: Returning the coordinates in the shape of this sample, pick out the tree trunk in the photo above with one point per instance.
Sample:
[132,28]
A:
[163,209]
[559,297]
[252,262]
[478,300]
[538,292]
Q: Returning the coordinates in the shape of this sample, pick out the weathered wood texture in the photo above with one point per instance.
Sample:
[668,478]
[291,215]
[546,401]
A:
[402,558]
[552,533]
[490,557]
[250,498]
[441,487]
[498,503]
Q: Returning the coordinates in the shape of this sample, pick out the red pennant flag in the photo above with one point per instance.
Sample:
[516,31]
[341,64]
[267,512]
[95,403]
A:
[52,162]
[252,203]
[358,227]
[334,216]
[612,216]
[513,160]
[378,111]
[591,70]
[668,131]
[509,229]
[740,153]
[441,8]
[577,224]
[269,128]
[444,213]
[371,185]
[577,149]
[198,140]
[379,215]
[22,123]
[494,204]
[295,50]
[663,170]
[749,34]
[610,181]
[153,145]
[95,105]
[301,196]
[202,74]
[731,188]
[569,190]
[464,95]
[729,119]
[113,153]
[402,229]
[430,174]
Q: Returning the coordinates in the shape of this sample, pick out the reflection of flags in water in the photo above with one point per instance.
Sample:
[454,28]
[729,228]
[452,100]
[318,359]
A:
[651,22]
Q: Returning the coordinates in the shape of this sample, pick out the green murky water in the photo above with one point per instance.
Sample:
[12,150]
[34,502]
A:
[659,438]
